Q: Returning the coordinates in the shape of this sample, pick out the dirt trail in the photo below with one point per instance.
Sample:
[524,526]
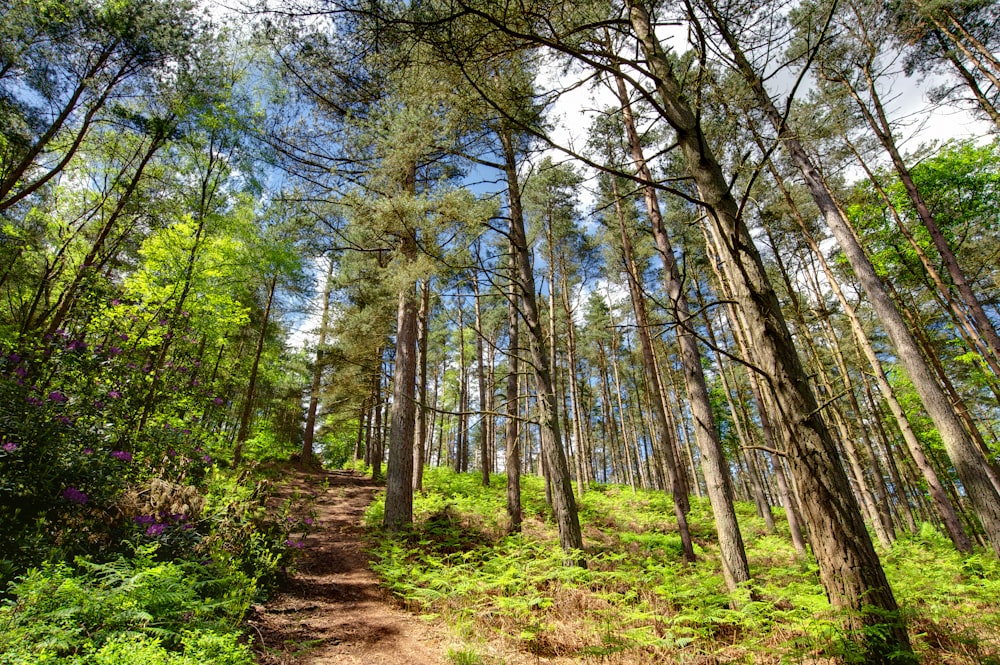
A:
[332,610]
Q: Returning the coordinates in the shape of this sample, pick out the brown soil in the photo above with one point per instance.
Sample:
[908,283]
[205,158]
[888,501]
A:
[332,611]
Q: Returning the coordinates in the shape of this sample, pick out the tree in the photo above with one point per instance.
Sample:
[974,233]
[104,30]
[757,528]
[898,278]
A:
[735,566]
[849,567]
[74,59]
[963,453]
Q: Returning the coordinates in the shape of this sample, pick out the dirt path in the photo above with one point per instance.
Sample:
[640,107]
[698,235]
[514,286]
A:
[332,611]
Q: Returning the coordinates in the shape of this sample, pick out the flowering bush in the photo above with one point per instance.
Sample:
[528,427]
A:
[58,475]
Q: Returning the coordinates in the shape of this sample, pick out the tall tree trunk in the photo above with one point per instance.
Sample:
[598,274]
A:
[713,461]
[399,468]
[660,427]
[420,434]
[247,415]
[849,567]
[582,457]
[563,500]
[512,452]
[462,432]
[363,421]
[374,450]
[317,378]
[484,448]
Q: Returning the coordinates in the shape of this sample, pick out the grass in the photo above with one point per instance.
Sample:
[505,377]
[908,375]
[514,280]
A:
[512,599]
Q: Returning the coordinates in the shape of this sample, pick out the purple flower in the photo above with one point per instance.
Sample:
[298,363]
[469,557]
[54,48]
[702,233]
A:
[76,345]
[9,447]
[74,495]
[297,544]
[114,350]
[64,420]
[218,401]
[143,519]
[155,529]
[34,401]
[88,451]
[123,337]
[57,396]
[98,404]
[308,521]
[114,394]
[208,460]
[115,302]
[122,455]
[13,359]
[21,371]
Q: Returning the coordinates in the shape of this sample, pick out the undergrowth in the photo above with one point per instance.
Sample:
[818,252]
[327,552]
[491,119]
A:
[638,602]
[175,593]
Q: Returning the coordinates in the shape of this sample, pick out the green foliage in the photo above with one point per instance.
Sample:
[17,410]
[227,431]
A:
[249,535]
[126,611]
[464,657]
[638,601]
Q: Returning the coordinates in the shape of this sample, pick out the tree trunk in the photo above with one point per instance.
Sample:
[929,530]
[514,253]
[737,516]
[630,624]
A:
[563,500]
[963,453]
[247,415]
[399,468]
[849,567]
[484,448]
[713,461]
[660,428]
[462,431]
[317,378]
[512,454]
[420,434]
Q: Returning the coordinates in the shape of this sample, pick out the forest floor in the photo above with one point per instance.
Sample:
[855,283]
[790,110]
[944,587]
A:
[331,611]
